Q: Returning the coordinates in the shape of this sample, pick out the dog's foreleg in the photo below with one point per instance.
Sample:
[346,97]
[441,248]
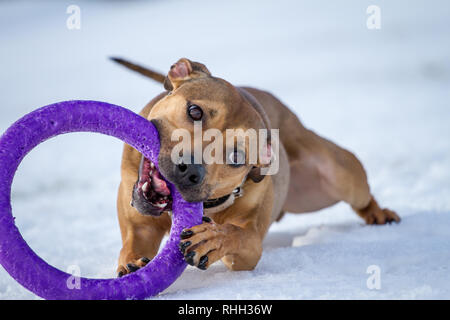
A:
[239,247]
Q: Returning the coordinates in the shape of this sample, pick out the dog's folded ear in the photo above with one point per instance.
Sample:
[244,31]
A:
[265,159]
[184,70]
[255,175]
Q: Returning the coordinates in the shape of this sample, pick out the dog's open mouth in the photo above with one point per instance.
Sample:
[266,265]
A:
[151,195]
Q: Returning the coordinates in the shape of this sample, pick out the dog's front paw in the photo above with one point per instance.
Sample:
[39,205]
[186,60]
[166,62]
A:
[132,266]
[204,244]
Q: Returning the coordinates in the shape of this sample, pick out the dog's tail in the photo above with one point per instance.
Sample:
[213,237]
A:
[142,70]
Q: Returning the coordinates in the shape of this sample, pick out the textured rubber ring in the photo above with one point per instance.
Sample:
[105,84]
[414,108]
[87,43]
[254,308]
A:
[24,265]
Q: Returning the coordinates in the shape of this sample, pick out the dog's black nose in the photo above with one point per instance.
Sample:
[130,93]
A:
[189,175]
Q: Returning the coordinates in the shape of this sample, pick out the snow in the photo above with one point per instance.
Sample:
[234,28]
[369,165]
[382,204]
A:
[384,94]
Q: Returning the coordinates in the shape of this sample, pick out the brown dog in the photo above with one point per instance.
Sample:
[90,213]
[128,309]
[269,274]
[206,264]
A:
[239,203]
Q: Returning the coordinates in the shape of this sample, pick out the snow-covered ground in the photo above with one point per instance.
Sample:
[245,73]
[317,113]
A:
[383,94]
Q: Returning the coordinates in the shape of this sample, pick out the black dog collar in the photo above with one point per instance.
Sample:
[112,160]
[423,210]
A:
[222,203]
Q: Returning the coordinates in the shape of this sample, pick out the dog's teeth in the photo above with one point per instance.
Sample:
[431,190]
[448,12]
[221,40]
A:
[145,187]
[152,165]
[161,205]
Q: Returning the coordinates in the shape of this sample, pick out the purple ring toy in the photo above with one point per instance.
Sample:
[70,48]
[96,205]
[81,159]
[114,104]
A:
[27,267]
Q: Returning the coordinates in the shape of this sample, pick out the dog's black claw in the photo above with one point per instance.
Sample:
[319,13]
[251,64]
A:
[186,234]
[145,260]
[183,246]
[189,257]
[202,263]
[132,267]
[120,274]
[206,219]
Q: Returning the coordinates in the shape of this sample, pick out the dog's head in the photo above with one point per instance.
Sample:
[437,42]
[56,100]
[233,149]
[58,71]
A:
[198,110]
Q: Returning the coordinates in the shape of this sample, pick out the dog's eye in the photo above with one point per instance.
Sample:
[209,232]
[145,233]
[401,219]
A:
[236,158]
[195,112]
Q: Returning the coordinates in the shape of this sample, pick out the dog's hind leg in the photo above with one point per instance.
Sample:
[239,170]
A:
[344,178]
[327,173]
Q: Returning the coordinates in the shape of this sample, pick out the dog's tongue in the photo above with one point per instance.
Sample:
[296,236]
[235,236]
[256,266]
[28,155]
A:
[158,184]
[147,170]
